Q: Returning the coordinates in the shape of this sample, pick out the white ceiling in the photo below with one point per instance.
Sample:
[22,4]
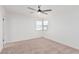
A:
[57,9]
[22,8]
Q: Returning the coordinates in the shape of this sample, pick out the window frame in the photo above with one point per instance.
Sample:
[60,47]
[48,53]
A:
[42,25]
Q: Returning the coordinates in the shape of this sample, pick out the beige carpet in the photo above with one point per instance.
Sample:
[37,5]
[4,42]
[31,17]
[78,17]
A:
[38,46]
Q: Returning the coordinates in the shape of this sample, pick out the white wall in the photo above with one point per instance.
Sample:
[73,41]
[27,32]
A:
[19,27]
[64,25]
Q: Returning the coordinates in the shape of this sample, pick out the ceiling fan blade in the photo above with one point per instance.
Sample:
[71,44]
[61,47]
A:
[31,8]
[47,10]
[44,13]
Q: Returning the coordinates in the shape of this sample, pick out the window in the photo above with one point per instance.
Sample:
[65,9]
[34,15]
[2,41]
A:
[45,25]
[42,25]
[38,25]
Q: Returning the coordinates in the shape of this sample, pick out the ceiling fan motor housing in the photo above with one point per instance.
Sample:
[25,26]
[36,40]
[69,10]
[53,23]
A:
[39,10]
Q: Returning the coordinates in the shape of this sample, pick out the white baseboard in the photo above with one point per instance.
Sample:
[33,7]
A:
[12,42]
[65,43]
[16,40]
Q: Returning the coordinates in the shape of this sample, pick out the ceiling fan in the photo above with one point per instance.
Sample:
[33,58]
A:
[39,10]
